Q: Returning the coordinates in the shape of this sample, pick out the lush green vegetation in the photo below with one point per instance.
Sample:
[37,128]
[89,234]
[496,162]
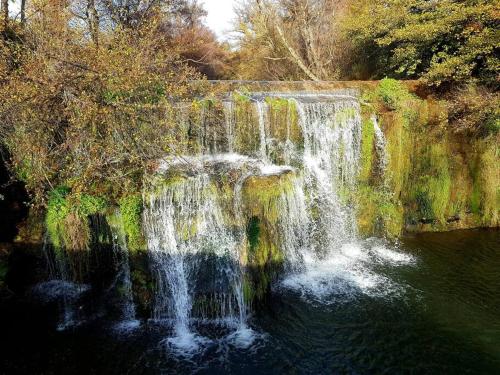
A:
[445,182]
[441,42]
[67,217]
[131,214]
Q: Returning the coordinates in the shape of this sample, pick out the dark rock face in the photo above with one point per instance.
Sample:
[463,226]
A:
[13,197]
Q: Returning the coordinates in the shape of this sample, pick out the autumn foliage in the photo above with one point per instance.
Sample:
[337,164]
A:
[89,112]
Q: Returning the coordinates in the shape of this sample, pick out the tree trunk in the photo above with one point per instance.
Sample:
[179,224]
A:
[23,11]
[294,55]
[93,21]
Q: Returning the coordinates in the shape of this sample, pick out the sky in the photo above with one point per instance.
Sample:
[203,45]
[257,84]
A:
[219,18]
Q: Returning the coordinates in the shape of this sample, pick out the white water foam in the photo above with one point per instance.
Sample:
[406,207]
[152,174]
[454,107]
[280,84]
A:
[243,338]
[185,343]
[348,274]
[392,256]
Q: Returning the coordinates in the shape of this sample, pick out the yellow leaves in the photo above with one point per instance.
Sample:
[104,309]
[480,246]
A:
[83,115]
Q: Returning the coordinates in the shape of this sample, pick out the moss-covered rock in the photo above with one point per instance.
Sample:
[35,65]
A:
[437,180]
[67,218]
[131,207]
[264,251]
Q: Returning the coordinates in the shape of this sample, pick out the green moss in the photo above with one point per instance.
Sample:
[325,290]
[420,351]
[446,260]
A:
[392,93]
[392,216]
[261,194]
[253,232]
[263,249]
[246,132]
[399,148]
[283,127]
[485,198]
[261,197]
[345,114]
[276,103]
[249,293]
[161,182]
[431,186]
[367,148]
[378,214]
[57,211]
[67,217]
[131,207]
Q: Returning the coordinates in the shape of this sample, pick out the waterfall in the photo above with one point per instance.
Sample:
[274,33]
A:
[289,148]
[229,124]
[193,256]
[380,145]
[332,138]
[294,224]
[60,286]
[195,215]
[262,108]
[332,264]
[123,279]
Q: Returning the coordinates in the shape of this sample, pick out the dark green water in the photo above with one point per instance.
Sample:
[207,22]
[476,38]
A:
[440,315]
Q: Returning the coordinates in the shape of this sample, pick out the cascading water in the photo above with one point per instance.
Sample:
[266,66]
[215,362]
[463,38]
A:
[332,135]
[294,224]
[195,231]
[200,208]
[262,108]
[328,260]
[229,123]
[60,287]
[193,256]
[381,146]
[123,279]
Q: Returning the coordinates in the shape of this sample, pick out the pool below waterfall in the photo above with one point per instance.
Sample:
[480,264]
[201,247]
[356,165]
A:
[428,305]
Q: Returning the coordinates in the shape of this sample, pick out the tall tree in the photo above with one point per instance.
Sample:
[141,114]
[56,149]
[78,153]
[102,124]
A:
[87,117]
[444,42]
[290,39]
[23,11]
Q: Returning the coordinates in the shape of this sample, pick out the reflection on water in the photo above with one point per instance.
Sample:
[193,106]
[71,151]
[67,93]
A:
[428,306]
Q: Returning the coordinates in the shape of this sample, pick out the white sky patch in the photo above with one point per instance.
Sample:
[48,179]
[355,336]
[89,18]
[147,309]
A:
[14,8]
[220,16]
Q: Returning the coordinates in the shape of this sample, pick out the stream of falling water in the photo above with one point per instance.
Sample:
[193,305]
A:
[328,261]
[193,254]
[195,245]
[262,108]
[123,280]
[332,136]
[61,287]
[381,146]
[229,123]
